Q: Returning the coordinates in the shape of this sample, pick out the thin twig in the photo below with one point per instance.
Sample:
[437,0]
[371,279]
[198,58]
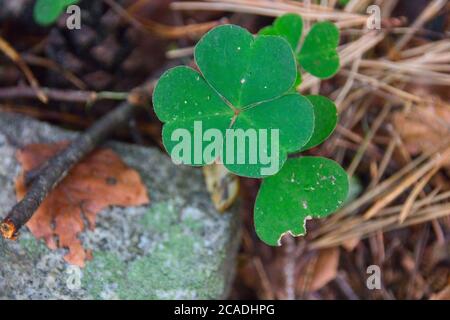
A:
[437,160]
[376,125]
[415,193]
[180,53]
[32,59]
[271,8]
[289,269]
[79,96]
[12,54]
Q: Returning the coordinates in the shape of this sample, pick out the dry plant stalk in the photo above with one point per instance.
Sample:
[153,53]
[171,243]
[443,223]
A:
[12,54]
[274,9]
[162,30]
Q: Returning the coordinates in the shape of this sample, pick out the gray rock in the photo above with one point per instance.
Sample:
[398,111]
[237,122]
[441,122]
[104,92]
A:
[177,247]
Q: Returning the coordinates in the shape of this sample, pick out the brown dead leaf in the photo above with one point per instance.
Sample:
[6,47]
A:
[350,244]
[422,127]
[444,294]
[102,179]
[408,263]
[325,268]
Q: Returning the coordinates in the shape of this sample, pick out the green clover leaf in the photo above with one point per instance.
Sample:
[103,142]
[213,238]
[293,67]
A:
[306,187]
[318,54]
[245,83]
[325,120]
[47,12]
[289,26]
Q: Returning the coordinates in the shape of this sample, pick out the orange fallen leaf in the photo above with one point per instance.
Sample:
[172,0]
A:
[102,179]
[326,268]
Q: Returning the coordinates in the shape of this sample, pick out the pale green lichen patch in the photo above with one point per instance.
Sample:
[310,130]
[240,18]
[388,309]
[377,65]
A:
[33,247]
[102,276]
[160,217]
[174,267]
[177,267]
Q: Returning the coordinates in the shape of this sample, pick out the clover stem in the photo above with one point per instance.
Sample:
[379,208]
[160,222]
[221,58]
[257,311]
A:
[233,120]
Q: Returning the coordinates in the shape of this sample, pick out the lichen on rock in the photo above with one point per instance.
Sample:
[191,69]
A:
[177,247]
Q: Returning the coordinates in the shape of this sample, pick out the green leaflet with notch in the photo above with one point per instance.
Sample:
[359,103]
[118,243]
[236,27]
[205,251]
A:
[307,187]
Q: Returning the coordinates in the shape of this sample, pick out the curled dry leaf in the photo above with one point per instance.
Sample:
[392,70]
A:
[326,268]
[222,185]
[422,127]
[102,179]
[442,295]
[351,243]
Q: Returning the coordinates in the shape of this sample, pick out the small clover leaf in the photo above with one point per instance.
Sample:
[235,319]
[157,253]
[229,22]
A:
[318,54]
[325,120]
[289,26]
[47,12]
[245,83]
[306,187]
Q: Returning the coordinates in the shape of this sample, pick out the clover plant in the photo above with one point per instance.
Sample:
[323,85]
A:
[317,55]
[244,83]
[47,12]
